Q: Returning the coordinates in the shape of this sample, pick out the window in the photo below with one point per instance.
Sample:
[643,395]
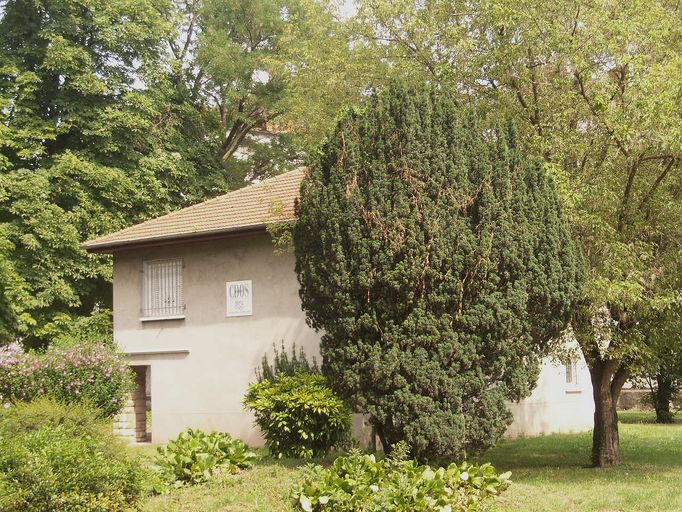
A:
[162,290]
[571,372]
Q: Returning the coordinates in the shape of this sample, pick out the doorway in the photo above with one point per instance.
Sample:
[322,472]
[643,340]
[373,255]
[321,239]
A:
[142,402]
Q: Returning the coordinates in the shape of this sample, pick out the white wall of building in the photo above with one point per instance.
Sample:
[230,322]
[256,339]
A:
[201,365]
[555,405]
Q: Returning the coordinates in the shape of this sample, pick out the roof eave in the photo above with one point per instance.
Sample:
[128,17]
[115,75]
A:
[126,245]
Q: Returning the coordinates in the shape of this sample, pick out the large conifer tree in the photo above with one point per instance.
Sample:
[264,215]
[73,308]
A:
[436,262]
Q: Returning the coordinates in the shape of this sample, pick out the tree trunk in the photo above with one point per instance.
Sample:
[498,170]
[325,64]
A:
[662,397]
[608,376]
[605,390]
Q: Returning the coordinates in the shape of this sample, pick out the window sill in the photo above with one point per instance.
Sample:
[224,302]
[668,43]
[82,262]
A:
[156,318]
[574,391]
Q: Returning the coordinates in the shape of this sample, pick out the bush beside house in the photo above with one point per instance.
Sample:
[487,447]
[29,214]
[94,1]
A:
[299,415]
[55,456]
[92,374]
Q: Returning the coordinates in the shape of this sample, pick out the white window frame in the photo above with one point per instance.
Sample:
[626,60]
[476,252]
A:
[162,290]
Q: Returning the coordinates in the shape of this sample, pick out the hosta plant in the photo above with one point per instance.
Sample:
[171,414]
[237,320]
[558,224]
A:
[359,482]
[195,456]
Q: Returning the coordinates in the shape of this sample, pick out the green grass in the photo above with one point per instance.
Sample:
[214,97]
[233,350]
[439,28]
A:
[550,473]
[262,488]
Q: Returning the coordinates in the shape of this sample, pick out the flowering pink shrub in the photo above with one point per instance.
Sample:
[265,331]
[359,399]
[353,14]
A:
[94,374]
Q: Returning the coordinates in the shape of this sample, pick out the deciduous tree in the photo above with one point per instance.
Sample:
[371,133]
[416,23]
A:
[81,149]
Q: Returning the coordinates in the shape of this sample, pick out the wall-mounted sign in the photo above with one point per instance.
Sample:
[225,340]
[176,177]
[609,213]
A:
[239,295]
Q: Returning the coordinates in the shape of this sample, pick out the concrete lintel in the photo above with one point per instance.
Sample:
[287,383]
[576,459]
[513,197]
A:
[168,352]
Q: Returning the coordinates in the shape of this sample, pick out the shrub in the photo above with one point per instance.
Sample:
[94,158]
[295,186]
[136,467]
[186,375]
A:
[435,260]
[300,416]
[195,456]
[95,329]
[360,482]
[284,364]
[55,456]
[92,374]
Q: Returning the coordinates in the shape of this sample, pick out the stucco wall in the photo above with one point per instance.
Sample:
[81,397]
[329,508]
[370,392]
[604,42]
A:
[555,406]
[205,386]
[201,366]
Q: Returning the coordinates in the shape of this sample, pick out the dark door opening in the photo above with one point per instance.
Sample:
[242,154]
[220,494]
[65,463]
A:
[141,398]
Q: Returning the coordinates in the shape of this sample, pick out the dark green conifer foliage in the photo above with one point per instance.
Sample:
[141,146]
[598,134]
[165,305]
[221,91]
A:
[436,262]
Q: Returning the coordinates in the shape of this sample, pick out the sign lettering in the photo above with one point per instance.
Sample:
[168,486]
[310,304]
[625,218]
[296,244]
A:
[239,298]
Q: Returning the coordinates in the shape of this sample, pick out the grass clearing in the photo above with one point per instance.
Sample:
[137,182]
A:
[550,473]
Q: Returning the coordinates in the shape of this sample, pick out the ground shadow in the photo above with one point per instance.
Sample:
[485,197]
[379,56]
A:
[645,417]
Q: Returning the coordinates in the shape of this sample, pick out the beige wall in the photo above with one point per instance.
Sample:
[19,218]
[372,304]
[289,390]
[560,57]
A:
[201,366]
[205,386]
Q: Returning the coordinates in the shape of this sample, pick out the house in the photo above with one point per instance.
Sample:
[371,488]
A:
[200,295]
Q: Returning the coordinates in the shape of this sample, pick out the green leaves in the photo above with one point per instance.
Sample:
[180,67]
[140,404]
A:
[360,482]
[91,140]
[112,112]
[299,415]
[55,456]
[195,456]
[86,373]
[435,260]
[594,91]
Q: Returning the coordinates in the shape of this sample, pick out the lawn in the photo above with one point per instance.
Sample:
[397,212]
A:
[549,473]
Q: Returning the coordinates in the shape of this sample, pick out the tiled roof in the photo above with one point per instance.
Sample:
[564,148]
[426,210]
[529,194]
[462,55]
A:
[245,209]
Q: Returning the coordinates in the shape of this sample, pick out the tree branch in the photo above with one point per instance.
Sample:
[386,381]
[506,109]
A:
[611,132]
[657,183]
[619,379]
[625,202]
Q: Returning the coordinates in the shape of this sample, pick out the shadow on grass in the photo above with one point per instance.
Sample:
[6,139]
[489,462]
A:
[264,459]
[645,417]
[645,446]
[550,451]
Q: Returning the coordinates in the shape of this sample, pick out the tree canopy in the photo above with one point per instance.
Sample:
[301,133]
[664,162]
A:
[594,91]
[78,147]
[115,111]
[435,261]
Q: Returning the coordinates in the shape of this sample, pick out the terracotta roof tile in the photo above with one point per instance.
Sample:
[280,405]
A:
[247,208]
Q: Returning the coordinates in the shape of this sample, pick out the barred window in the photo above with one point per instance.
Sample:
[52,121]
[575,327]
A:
[571,372]
[162,293]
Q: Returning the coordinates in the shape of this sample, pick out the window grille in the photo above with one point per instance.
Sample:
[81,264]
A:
[163,289]
[571,372]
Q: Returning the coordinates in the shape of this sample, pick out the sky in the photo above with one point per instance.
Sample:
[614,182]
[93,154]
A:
[348,8]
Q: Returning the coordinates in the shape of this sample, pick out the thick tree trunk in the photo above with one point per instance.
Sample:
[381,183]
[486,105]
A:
[662,397]
[606,386]
[608,376]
